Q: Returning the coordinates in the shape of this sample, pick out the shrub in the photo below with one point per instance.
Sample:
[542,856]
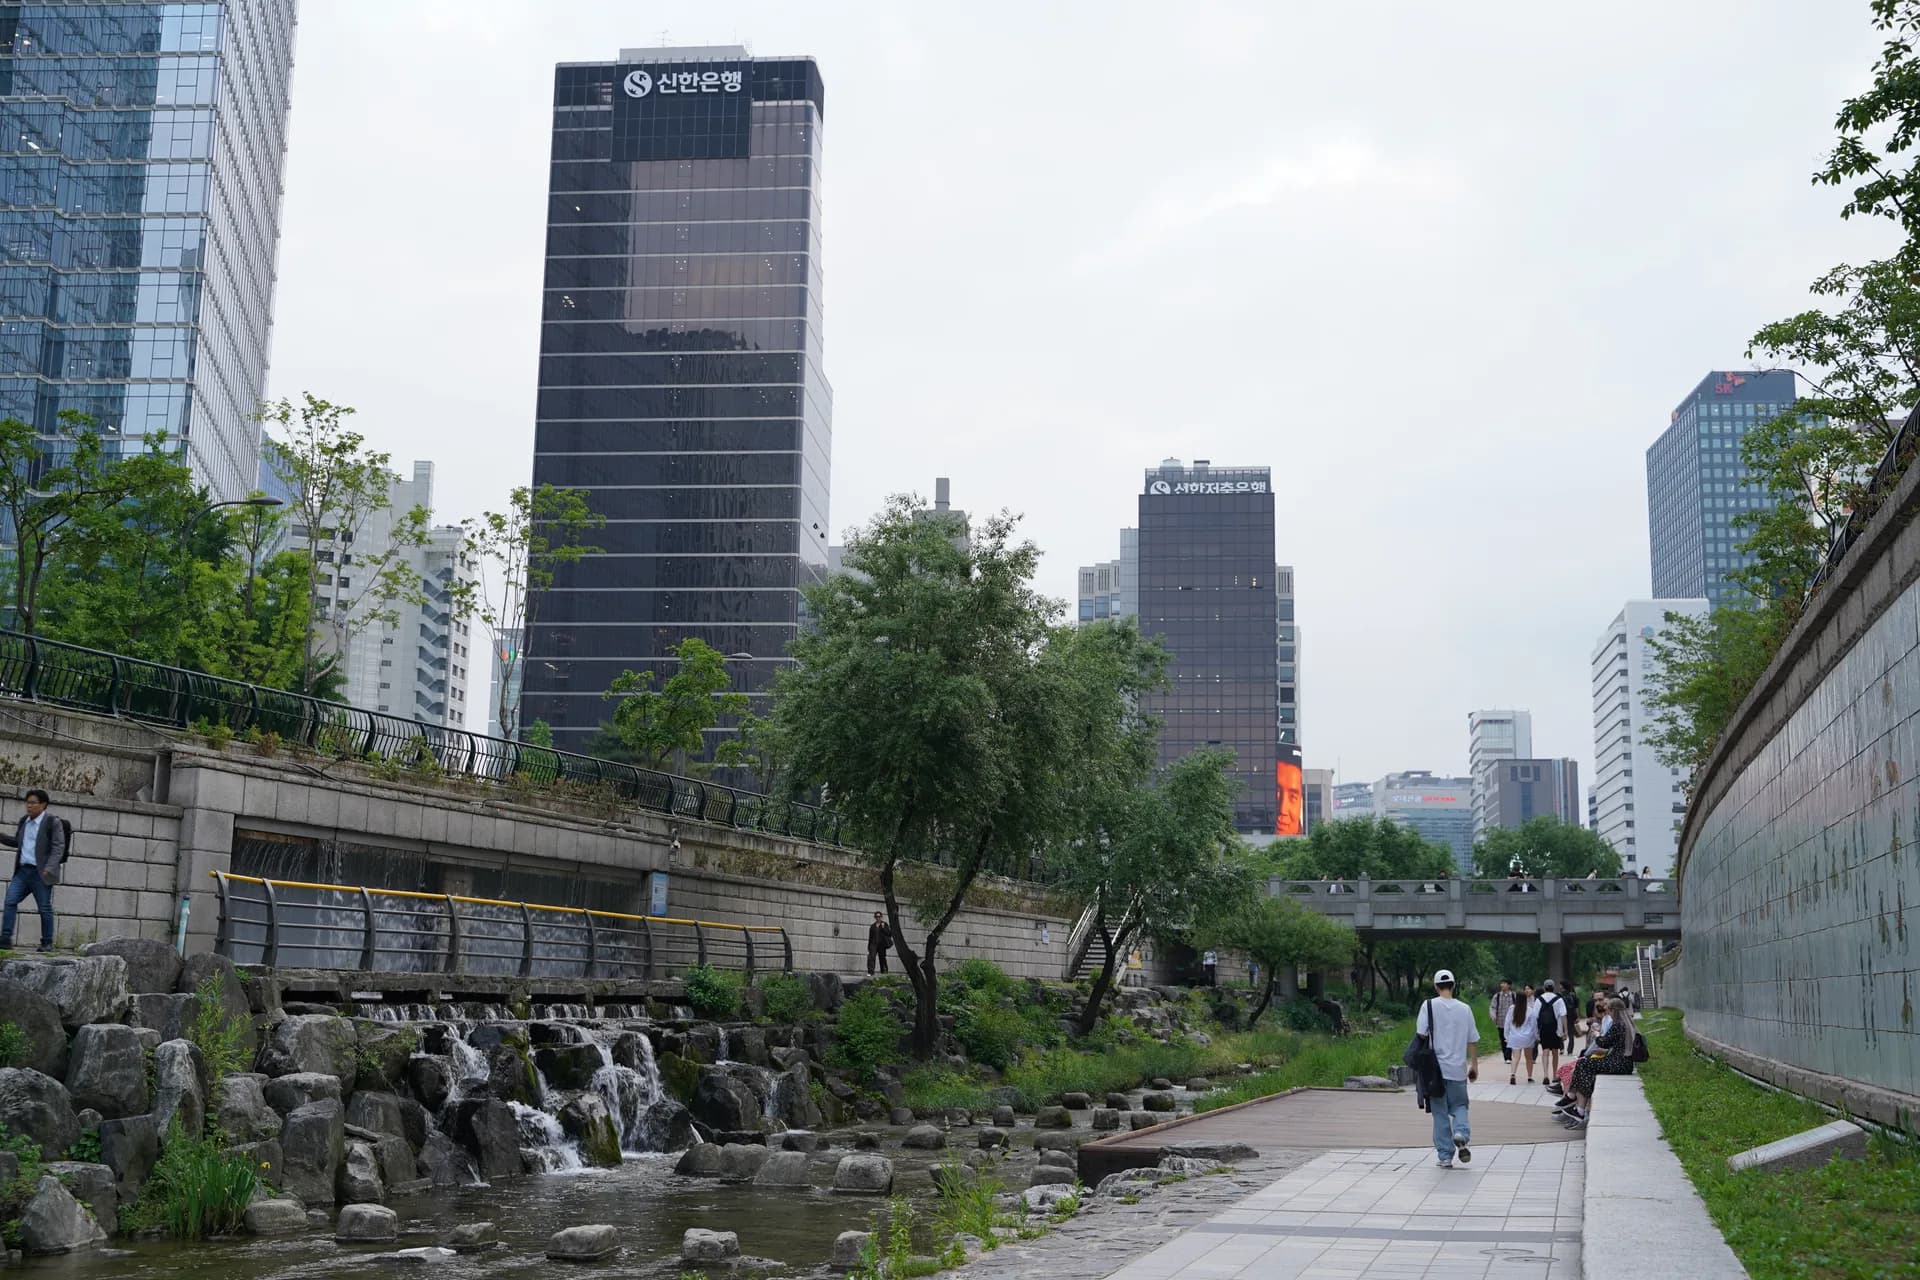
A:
[933,1089]
[985,977]
[966,1204]
[217,1033]
[789,998]
[713,993]
[990,1033]
[867,1034]
[1304,1015]
[13,1045]
[196,1189]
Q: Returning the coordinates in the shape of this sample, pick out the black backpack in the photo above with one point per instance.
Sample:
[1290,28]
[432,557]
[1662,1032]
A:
[1420,1055]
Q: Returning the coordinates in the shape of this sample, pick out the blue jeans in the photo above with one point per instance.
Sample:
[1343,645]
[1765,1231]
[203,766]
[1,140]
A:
[1449,1118]
[27,881]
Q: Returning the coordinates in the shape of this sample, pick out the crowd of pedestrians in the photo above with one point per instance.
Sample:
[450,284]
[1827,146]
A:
[1538,1027]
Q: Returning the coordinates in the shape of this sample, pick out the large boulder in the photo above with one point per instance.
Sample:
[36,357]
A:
[205,971]
[44,1034]
[315,1043]
[129,1147]
[384,1052]
[473,1237]
[84,990]
[171,1015]
[396,1160]
[431,1079]
[741,1161]
[783,1169]
[584,1244]
[849,1250]
[152,965]
[37,1107]
[701,1245]
[924,1137]
[241,1111]
[377,1113]
[107,1070]
[487,1127]
[510,1075]
[289,1093]
[264,1158]
[177,1091]
[568,1066]
[358,1180]
[275,1218]
[54,1222]
[790,1101]
[702,1160]
[827,991]
[1053,1118]
[93,1186]
[366,1224]
[721,1101]
[586,1120]
[311,1146]
[864,1175]
[444,1163]
[1158,1101]
[666,1126]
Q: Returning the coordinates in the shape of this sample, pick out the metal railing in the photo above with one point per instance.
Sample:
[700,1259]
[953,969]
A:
[1893,465]
[1522,893]
[293,924]
[47,671]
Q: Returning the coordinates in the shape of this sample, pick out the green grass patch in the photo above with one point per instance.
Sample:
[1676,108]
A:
[1852,1220]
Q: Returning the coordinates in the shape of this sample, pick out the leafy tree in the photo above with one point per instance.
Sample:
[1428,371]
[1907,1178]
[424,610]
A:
[1882,188]
[937,706]
[518,553]
[1281,935]
[1703,668]
[1544,847]
[51,492]
[338,486]
[753,746]
[657,724]
[1161,856]
[1373,848]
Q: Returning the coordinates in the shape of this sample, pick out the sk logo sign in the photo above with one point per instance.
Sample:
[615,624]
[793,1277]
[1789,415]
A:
[638,84]
[1159,486]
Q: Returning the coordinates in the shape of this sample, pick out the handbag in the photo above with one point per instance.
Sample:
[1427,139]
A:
[1420,1055]
[1640,1053]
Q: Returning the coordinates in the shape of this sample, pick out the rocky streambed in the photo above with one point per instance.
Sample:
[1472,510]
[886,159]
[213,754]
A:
[534,1120]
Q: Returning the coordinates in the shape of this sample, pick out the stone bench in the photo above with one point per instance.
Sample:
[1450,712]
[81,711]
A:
[1635,1182]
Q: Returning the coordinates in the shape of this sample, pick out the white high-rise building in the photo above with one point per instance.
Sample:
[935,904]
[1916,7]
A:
[1493,736]
[1638,803]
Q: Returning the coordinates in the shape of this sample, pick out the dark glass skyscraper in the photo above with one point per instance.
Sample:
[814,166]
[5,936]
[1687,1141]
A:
[1208,590]
[680,368]
[1696,484]
[141,148]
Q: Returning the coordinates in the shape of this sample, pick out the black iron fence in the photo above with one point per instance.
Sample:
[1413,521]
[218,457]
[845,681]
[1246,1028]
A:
[291,924]
[66,675]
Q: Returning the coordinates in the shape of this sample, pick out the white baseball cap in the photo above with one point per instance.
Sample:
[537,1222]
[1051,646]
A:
[1443,978]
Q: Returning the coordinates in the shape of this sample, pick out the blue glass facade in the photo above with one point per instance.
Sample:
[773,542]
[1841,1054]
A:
[141,151]
[1697,483]
[680,370]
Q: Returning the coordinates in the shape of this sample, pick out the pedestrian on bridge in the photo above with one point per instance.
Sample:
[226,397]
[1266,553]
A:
[1449,1028]
[879,942]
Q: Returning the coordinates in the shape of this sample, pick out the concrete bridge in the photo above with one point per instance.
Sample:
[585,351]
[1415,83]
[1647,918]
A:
[1558,913]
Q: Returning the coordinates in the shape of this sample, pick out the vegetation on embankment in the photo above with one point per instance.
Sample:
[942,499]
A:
[1851,1220]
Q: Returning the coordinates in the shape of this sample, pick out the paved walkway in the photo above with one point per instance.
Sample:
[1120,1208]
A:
[1392,1213]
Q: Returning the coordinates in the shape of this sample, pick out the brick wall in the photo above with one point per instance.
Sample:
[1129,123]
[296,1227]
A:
[120,882]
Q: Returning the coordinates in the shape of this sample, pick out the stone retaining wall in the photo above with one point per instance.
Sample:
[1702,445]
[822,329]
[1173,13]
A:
[1800,858]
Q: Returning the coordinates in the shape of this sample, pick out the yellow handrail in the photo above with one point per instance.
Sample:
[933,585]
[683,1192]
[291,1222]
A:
[494,902]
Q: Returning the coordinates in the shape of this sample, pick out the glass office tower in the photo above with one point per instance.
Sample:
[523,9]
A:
[141,152]
[1696,484]
[680,369]
[1208,591]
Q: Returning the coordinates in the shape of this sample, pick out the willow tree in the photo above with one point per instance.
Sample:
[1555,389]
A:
[940,710]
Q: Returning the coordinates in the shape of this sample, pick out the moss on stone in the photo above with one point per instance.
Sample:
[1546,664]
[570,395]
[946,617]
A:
[679,1077]
[600,1144]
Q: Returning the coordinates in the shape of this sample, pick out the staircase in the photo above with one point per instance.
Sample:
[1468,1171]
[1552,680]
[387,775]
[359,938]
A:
[1643,964]
[1091,959]
[1087,950]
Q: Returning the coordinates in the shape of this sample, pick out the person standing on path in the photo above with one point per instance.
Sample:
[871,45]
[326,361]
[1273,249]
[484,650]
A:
[1450,1030]
[1497,1011]
[1521,1032]
[42,843]
[879,942]
[1552,1021]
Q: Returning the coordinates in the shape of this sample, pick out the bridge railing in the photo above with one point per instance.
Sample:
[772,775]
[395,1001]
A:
[1333,894]
[292,924]
[37,670]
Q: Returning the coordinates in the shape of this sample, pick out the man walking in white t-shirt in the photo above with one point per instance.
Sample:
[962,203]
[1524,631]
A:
[1450,1029]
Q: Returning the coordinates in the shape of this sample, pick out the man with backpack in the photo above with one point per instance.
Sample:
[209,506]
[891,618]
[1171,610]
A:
[42,840]
[1554,1031]
[1449,1044]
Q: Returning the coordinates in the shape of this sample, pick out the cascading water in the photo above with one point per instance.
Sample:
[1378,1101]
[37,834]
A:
[626,1091]
[543,1142]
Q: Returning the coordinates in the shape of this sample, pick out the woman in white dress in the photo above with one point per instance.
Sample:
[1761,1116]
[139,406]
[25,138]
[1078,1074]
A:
[1523,1033]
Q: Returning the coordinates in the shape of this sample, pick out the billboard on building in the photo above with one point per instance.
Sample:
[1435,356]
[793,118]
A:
[1290,793]
[682,111]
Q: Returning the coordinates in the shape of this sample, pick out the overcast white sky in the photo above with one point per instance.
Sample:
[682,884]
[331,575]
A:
[1446,269]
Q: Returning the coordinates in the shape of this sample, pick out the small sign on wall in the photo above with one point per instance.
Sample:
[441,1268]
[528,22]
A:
[657,896]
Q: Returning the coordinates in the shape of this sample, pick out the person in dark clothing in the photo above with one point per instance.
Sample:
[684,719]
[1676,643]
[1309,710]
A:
[879,942]
[42,843]
[1611,1055]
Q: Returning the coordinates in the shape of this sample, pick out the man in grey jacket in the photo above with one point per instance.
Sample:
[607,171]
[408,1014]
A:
[42,844]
